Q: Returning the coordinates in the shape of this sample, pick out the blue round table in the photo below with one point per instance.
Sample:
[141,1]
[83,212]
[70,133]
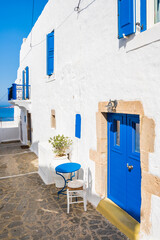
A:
[66,168]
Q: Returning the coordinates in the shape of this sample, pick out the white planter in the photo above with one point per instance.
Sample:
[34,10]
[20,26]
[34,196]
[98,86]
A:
[58,180]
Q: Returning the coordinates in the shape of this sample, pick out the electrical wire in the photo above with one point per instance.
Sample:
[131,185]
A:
[76,9]
[35,45]
[61,24]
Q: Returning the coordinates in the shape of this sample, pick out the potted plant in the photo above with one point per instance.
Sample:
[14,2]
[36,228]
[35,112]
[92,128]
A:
[61,146]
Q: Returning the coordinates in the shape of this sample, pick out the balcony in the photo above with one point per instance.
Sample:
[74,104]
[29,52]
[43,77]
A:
[19,95]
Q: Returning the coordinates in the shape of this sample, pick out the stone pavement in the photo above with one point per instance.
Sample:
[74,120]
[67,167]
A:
[30,210]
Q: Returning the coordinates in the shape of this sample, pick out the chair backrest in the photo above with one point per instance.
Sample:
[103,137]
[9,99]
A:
[83,174]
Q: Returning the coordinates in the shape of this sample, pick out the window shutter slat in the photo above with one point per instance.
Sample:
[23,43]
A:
[50,53]
[143,15]
[126,17]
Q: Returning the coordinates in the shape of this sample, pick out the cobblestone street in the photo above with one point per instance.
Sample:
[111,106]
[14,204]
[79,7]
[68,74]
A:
[29,209]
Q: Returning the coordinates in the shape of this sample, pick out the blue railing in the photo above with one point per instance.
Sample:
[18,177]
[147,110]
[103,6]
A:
[19,92]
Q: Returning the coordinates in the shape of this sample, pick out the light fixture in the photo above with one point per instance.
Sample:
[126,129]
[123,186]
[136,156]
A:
[111,107]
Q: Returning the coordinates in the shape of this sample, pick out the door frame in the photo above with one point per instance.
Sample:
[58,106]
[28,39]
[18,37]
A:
[147,139]
[29,127]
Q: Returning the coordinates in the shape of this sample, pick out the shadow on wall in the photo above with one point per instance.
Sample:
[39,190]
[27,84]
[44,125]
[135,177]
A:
[123,41]
[86,175]
[34,147]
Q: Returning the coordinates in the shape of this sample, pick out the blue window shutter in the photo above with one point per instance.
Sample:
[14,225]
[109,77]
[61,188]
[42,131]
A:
[78,126]
[23,84]
[143,11]
[126,17]
[14,91]
[27,82]
[50,53]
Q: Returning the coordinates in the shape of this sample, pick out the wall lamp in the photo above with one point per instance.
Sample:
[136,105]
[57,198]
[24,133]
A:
[111,106]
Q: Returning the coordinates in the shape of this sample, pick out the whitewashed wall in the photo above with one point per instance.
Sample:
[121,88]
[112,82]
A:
[9,131]
[91,65]
[23,117]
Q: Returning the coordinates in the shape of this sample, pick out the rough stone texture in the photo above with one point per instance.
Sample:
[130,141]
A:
[29,209]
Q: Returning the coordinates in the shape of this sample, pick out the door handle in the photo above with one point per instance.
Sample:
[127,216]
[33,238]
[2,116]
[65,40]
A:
[130,167]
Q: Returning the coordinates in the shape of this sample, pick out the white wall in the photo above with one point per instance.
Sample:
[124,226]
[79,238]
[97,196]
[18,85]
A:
[9,131]
[23,117]
[91,65]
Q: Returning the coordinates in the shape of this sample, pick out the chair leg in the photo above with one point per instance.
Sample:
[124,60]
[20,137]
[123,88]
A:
[67,201]
[85,200]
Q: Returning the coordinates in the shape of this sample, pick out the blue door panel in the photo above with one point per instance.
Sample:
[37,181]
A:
[134,189]
[133,176]
[116,166]
[124,185]
[117,191]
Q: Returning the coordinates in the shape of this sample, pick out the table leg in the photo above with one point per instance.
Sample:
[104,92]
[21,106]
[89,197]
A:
[65,183]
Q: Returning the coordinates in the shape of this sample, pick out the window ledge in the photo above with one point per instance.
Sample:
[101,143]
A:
[143,39]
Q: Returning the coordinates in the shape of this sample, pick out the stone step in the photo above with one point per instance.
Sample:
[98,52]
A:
[119,218]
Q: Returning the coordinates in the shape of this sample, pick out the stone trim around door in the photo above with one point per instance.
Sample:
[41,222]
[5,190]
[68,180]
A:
[150,184]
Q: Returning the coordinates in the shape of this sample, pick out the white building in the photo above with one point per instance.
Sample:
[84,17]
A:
[96,56]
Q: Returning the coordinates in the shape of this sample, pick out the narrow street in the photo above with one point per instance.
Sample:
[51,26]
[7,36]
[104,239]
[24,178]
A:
[29,209]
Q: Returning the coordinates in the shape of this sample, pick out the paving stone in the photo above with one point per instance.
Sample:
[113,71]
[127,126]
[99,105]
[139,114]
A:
[25,238]
[30,210]
[1,206]
[4,234]
[15,224]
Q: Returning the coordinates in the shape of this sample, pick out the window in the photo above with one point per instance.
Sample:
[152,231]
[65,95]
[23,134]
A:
[156,11]
[78,126]
[137,138]
[118,133]
[50,53]
[53,119]
[127,17]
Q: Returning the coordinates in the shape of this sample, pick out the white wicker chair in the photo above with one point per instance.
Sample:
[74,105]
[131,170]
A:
[76,189]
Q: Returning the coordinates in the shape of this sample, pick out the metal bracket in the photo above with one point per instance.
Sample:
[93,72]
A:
[139,25]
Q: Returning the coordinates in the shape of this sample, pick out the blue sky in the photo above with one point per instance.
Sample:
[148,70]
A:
[15,24]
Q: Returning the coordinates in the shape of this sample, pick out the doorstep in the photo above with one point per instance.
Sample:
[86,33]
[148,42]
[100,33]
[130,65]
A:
[119,218]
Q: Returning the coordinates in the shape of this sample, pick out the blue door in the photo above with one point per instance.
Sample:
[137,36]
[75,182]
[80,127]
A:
[124,172]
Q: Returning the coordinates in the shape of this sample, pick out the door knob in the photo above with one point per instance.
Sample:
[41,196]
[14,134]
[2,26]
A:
[130,167]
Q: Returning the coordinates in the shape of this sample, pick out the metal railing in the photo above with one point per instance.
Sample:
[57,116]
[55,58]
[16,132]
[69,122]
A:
[19,92]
